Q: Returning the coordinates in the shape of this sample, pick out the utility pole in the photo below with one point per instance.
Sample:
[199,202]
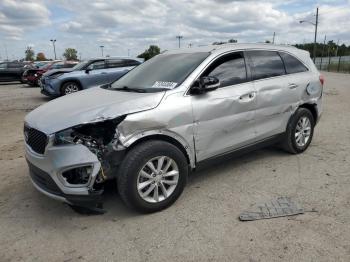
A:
[101,46]
[7,55]
[336,50]
[316,25]
[273,38]
[315,34]
[324,43]
[179,37]
[54,47]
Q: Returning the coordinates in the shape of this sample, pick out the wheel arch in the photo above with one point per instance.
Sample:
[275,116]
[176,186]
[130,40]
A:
[70,80]
[312,108]
[170,138]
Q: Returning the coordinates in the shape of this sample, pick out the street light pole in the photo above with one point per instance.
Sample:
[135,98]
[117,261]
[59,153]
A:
[316,25]
[273,38]
[54,47]
[179,37]
[101,46]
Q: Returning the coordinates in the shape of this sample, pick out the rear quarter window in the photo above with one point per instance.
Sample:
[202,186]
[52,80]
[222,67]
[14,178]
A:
[266,64]
[292,64]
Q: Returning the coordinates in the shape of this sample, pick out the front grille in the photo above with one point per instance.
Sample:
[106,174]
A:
[43,180]
[36,139]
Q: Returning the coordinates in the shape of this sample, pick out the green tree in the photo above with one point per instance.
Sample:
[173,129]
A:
[232,41]
[40,57]
[29,53]
[152,51]
[71,54]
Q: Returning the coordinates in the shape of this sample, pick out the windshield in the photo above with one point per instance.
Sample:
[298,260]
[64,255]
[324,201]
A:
[45,66]
[162,72]
[80,65]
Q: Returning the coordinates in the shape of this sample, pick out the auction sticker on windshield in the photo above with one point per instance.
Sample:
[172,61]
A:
[164,84]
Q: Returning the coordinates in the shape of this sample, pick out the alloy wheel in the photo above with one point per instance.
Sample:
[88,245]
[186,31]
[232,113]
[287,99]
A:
[157,179]
[303,131]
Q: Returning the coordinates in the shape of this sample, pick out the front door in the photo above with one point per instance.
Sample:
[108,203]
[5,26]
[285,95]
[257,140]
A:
[97,75]
[224,118]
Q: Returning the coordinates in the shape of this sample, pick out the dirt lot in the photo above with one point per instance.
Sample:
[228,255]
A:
[203,224]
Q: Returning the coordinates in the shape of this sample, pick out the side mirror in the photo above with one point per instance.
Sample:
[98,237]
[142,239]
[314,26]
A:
[87,70]
[206,84]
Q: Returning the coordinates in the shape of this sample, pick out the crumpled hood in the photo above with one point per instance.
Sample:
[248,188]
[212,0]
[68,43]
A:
[54,71]
[91,105]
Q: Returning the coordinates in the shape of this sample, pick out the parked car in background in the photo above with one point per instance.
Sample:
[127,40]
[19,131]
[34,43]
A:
[167,116]
[32,76]
[87,74]
[11,71]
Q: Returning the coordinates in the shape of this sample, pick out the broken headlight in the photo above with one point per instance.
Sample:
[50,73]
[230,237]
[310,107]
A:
[94,136]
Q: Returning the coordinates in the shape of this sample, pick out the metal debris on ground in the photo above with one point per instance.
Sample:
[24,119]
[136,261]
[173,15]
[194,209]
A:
[280,207]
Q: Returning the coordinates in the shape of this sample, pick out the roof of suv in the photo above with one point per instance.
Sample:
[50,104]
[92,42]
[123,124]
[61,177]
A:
[220,49]
[235,46]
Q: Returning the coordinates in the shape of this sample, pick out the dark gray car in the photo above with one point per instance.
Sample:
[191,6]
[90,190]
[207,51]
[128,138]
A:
[11,71]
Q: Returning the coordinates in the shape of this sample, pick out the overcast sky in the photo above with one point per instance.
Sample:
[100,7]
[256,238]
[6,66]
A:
[122,25]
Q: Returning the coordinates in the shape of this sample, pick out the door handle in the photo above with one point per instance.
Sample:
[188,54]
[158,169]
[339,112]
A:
[292,86]
[247,97]
[103,73]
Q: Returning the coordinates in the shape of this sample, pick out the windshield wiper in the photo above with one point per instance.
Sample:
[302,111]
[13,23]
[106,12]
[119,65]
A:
[129,89]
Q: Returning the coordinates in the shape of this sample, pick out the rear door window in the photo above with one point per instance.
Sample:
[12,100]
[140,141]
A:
[229,69]
[266,64]
[292,64]
[115,63]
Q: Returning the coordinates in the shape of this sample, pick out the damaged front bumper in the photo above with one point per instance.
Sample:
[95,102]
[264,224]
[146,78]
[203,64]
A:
[49,173]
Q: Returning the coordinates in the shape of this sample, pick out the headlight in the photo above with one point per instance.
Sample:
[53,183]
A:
[64,137]
[95,136]
[36,75]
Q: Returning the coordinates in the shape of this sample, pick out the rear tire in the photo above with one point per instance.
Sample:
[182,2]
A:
[299,132]
[69,88]
[145,190]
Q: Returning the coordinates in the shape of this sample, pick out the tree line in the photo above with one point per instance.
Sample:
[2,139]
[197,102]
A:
[325,50]
[69,54]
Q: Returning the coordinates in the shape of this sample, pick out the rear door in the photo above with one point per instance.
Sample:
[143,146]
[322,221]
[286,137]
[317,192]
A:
[3,72]
[275,92]
[15,70]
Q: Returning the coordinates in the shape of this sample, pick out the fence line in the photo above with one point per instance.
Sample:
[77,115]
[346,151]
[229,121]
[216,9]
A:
[333,64]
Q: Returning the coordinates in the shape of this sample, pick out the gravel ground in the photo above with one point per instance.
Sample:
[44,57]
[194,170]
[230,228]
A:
[203,224]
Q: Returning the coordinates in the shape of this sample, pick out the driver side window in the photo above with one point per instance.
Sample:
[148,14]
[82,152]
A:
[229,69]
[97,65]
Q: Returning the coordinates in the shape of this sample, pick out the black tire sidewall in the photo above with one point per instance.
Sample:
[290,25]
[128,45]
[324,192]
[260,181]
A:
[132,165]
[301,112]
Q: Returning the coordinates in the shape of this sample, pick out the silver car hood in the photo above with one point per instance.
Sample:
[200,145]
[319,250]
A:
[88,106]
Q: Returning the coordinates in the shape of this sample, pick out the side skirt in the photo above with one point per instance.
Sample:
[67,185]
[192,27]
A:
[239,152]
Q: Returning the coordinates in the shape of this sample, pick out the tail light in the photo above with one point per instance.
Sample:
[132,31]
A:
[322,79]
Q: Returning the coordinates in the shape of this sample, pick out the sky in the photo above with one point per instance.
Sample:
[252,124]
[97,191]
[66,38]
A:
[128,27]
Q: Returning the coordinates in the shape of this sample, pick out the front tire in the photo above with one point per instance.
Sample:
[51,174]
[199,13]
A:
[152,176]
[69,88]
[299,132]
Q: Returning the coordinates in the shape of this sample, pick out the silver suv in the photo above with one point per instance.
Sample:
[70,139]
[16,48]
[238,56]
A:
[164,118]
